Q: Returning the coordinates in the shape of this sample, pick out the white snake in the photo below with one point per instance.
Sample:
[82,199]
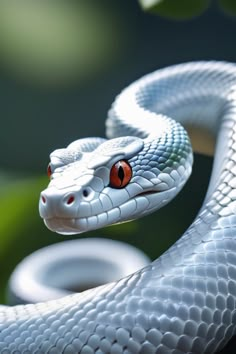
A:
[185,301]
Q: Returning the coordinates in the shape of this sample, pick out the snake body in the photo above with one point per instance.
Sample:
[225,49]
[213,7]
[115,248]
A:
[183,302]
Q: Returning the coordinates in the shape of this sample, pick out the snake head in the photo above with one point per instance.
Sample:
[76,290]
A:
[117,181]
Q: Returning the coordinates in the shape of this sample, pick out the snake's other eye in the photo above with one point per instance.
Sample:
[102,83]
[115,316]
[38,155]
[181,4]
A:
[120,174]
[49,170]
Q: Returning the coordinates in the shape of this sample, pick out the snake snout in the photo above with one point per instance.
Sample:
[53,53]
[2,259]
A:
[58,204]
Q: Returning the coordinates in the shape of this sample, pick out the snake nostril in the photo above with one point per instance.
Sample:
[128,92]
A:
[43,199]
[70,200]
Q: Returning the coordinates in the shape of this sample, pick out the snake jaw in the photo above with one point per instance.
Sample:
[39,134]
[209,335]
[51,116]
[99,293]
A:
[67,226]
[103,213]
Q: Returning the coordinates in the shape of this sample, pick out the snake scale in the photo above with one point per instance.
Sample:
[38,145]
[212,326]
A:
[183,302]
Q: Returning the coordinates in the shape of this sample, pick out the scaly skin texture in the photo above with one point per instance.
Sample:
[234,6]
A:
[184,302]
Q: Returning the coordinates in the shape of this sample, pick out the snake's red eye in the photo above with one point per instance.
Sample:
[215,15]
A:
[49,171]
[120,174]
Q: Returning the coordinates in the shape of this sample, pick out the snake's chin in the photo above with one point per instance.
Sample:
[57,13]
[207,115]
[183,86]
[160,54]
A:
[63,226]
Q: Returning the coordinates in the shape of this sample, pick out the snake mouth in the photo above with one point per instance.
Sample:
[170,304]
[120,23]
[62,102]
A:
[139,205]
[64,226]
[148,193]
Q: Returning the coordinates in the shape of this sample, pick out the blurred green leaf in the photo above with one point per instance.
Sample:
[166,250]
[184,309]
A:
[176,9]
[229,6]
[17,200]
[19,222]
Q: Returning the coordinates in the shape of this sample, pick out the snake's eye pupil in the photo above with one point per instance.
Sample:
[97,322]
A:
[49,171]
[120,174]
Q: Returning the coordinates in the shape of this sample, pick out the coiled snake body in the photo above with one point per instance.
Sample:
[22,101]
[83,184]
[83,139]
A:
[184,302]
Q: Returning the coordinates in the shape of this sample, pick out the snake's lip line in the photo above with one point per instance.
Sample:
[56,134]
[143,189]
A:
[143,194]
[60,218]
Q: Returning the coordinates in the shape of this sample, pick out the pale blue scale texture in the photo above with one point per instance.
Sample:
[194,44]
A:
[184,302]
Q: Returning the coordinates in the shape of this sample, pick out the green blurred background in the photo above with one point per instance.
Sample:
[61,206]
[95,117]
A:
[61,65]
